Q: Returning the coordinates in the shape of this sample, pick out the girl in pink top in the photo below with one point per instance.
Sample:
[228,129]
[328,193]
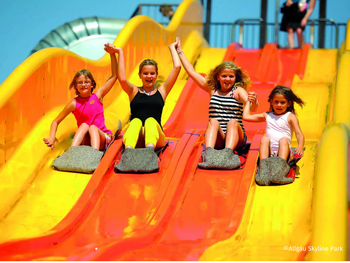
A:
[280,122]
[87,108]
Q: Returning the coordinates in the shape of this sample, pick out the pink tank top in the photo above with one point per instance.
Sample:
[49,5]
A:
[90,111]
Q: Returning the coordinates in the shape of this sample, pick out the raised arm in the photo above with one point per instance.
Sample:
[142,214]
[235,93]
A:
[101,92]
[166,87]
[253,98]
[53,129]
[294,123]
[128,87]
[198,78]
[260,117]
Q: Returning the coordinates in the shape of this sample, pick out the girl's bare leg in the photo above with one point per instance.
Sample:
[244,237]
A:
[234,135]
[300,38]
[290,37]
[97,138]
[80,134]
[283,149]
[264,150]
[214,136]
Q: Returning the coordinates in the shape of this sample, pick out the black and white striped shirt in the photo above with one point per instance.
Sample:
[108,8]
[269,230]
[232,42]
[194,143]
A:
[225,108]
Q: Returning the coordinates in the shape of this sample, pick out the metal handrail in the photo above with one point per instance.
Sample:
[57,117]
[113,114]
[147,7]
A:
[138,10]
[241,23]
[312,29]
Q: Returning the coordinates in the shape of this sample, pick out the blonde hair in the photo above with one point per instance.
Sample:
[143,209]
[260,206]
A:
[148,62]
[242,77]
[151,62]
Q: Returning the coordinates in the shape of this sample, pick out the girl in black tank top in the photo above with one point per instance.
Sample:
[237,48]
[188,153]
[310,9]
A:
[144,106]
[147,102]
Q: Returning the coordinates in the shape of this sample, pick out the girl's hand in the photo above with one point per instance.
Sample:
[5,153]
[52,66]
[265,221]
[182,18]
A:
[111,49]
[303,22]
[49,142]
[177,45]
[252,97]
[300,151]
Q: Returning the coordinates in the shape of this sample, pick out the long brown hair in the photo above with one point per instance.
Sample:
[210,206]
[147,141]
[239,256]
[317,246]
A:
[288,94]
[87,74]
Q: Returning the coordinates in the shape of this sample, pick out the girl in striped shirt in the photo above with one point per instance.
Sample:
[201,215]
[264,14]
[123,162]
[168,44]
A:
[227,86]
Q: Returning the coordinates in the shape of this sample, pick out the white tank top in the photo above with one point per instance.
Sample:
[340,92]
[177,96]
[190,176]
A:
[277,127]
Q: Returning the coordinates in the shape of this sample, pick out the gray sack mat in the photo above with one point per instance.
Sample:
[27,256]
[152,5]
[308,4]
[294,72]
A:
[83,159]
[273,170]
[139,160]
[219,159]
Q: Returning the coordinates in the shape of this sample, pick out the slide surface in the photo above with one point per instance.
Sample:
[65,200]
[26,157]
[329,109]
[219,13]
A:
[181,212]
[36,197]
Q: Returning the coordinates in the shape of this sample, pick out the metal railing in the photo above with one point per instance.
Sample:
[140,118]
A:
[162,13]
[241,22]
[248,34]
[324,20]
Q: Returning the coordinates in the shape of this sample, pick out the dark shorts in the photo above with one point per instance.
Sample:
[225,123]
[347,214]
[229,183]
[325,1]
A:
[292,18]
[242,144]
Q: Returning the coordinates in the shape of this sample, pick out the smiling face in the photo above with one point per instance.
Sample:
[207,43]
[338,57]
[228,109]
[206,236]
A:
[280,104]
[227,78]
[148,75]
[83,86]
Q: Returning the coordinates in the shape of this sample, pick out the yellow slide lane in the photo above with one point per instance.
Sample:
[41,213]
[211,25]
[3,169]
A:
[34,197]
[332,168]
[278,220]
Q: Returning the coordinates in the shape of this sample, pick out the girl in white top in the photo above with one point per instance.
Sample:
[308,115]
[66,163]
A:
[280,122]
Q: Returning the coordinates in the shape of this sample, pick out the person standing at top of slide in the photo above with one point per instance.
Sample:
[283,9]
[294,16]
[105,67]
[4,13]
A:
[295,16]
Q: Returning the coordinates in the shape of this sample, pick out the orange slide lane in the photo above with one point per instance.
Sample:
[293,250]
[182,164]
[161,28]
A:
[209,210]
[212,205]
[203,206]
[181,210]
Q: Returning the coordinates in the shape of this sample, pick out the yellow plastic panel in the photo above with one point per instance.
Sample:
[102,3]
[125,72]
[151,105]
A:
[332,166]
[209,59]
[321,65]
[313,116]
[331,223]
[342,105]
[347,37]
[38,195]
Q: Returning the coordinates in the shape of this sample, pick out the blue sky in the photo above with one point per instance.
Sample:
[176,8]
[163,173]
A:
[25,22]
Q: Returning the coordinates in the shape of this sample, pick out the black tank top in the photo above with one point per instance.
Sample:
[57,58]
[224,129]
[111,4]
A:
[143,107]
